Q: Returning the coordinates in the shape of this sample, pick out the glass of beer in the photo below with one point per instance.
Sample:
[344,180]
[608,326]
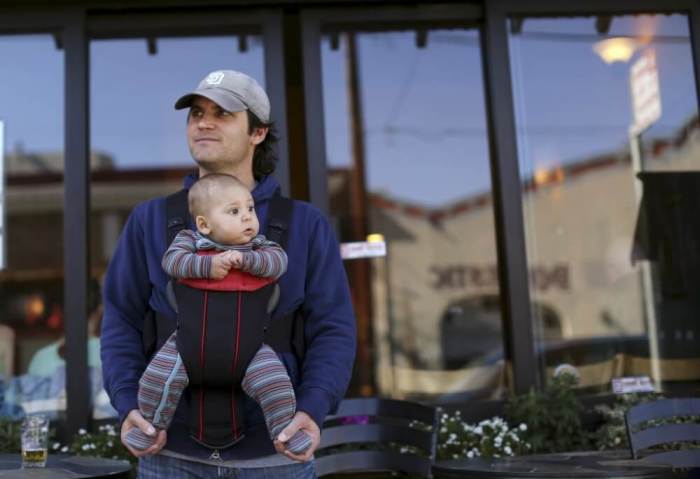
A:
[35,439]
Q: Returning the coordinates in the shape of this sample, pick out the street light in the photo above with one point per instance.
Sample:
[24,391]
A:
[617,49]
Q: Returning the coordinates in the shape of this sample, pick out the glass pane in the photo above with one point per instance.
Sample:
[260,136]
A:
[410,163]
[608,144]
[138,139]
[32,353]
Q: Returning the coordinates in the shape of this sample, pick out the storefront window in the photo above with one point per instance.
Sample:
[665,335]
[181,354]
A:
[138,139]
[408,162]
[609,152]
[32,342]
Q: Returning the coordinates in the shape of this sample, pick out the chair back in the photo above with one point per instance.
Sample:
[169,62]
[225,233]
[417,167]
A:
[372,434]
[649,426]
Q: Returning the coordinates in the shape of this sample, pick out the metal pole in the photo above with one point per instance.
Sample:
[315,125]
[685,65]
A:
[645,272]
[359,268]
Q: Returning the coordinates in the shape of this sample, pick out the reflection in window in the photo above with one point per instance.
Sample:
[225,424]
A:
[408,159]
[138,139]
[31,282]
[609,144]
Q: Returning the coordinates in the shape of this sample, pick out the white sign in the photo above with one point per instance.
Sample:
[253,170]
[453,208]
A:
[632,384]
[362,249]
[644,84]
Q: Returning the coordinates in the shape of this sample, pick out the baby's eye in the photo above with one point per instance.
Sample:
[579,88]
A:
[251,209]
[233,211]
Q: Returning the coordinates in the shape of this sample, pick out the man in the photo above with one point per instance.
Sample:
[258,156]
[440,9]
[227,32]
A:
[228,131]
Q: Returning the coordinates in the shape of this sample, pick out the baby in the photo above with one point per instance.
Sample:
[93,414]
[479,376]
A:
[224,215]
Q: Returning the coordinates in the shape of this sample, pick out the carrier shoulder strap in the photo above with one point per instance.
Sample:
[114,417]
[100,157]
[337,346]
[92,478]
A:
[279,215]
[177,213]
[157,327]
[288,331]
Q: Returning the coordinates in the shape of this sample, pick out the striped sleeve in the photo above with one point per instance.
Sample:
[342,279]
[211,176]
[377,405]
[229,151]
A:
[181,260]
[267,259]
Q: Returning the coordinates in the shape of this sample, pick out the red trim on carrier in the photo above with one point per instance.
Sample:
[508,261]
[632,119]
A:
[201,364]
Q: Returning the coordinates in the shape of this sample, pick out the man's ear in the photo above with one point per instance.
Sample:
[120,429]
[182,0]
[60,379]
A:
[259,135]
[202,225]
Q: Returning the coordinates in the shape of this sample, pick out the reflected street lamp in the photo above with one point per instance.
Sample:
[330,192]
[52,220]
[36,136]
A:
[617,49]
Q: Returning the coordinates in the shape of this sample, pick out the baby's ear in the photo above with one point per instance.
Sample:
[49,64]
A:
[202,225]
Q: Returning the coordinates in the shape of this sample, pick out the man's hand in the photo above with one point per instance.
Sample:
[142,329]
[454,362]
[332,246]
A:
[235,259]
[301,421]
[220,266]
[135,419]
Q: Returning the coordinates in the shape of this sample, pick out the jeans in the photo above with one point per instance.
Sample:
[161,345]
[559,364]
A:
[166,467]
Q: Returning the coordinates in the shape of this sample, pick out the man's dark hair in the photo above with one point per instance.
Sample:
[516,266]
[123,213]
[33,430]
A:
[264,158]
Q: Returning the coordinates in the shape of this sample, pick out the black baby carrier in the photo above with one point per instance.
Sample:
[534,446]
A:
[221,325]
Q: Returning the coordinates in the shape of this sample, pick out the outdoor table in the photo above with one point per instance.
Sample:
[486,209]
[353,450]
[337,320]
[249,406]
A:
[588,464]
[59,466]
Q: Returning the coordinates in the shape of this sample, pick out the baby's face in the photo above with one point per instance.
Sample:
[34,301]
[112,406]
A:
[232,218]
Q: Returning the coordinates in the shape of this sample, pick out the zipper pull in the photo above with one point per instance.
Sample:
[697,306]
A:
[215,456]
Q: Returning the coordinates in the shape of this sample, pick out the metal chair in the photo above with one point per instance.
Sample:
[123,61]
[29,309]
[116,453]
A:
[649,425]
[373,435]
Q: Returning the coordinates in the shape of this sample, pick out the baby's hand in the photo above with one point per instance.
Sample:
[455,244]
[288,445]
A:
[220,265]
[236,259]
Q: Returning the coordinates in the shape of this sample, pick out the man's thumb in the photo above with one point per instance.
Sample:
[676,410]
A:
[144,425]
[289,431]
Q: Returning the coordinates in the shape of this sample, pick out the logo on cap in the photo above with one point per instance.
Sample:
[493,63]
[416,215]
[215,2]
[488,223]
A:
[215,78]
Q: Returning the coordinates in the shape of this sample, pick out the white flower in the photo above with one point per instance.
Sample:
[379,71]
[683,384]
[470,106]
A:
[523,426]
[82,431]
[470,454]
[508,450]
[443,430]
[56,445]
[85,447]
[617,439]
[110,444]
[478,430]
[64,449]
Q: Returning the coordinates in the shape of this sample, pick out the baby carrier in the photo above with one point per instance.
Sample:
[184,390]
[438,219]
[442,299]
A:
[221,325]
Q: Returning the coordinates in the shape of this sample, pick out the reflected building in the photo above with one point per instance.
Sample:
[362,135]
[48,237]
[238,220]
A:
[437,305]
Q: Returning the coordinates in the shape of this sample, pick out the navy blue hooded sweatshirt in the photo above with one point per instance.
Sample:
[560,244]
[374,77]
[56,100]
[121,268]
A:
[315,281]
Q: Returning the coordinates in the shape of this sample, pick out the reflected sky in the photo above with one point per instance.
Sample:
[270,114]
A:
[31,93]
[424,109]
[423,113]
[133,93]
[570,105]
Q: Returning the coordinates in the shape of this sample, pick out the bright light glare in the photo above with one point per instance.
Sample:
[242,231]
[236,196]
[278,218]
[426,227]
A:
[619,49]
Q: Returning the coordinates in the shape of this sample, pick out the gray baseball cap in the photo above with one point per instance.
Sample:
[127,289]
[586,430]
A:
[232,91]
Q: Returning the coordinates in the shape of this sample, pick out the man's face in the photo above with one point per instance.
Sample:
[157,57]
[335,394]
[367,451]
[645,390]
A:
[218,139]
[231,219]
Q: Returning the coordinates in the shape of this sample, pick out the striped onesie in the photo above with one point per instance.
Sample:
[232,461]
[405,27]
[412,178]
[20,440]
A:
[265,380]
